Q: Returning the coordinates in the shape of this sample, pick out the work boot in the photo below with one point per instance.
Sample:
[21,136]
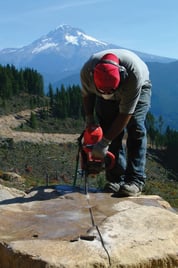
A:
[113,187]
[130,189]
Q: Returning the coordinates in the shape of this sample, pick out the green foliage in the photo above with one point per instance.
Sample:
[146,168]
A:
[159,140]
[21,102]
[66,102]
[36,162]
[45,123]
[167,189]
[55,164]
[14,82]
[33,121]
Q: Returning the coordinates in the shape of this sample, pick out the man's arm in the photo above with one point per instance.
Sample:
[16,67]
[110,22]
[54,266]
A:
[89,104]
[117,126]
[100,149]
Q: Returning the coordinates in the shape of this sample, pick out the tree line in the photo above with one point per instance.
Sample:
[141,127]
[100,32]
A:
[164,138]
[66,102]
[14,82]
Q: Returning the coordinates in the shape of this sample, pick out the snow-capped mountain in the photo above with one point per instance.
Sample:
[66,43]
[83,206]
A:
[56,55]
[60,53]
[63,36]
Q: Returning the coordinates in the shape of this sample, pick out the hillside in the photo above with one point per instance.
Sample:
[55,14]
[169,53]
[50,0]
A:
[46,158]
[10,122]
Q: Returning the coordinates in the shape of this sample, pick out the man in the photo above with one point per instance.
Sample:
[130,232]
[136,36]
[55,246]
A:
[117,88]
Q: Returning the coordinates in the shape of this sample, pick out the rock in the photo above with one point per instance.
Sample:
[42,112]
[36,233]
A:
[7,193]
[47,228]
[12,177]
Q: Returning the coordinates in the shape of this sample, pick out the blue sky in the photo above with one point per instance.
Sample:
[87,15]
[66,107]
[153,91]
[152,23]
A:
[147,26]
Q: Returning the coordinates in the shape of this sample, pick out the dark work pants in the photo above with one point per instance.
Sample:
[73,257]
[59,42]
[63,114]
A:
[131,155]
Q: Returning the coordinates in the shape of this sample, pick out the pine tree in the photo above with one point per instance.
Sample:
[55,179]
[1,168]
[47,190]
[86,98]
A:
[33,121]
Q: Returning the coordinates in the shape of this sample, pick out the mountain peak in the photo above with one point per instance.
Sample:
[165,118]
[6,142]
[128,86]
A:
[64,35]
[75,36]
[66,27]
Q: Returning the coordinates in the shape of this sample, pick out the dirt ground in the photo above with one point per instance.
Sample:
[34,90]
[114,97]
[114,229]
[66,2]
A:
[9,122]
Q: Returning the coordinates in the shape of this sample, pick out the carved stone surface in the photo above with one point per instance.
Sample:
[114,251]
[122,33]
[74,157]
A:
[51,228]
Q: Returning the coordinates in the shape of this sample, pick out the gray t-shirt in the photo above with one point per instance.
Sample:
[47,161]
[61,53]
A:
[129,91]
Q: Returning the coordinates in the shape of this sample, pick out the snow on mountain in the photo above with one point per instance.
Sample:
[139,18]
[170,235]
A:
[43,46]
[74,36]
[53,40]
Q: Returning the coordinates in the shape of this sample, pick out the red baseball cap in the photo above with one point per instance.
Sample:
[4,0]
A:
[106,74]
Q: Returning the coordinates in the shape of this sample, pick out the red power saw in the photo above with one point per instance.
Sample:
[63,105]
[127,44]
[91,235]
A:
[89,164]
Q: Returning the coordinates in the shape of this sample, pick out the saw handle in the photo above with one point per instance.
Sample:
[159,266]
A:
[109,160]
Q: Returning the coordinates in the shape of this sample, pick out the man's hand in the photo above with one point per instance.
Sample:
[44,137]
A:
[100,149]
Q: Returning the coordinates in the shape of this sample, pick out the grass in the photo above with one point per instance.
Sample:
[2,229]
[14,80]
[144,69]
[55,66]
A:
[167,189]
[38,162]
[54,125]
[42,164]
